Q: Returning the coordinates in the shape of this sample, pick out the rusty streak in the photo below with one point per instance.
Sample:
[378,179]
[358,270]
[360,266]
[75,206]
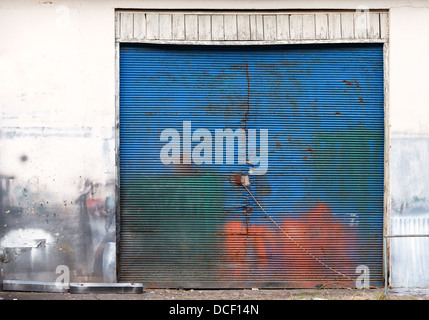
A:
[235,179]
[248,96]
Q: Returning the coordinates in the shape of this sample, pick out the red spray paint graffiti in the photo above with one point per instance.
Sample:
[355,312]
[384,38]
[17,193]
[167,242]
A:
[317,232]
[239,239]
[95,207]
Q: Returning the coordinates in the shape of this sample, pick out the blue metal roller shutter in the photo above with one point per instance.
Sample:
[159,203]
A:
[319,209]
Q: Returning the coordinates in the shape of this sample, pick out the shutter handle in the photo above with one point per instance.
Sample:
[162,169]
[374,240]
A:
[245,180]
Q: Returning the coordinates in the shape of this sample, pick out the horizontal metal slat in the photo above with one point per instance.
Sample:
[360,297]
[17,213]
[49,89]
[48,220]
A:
[324,109]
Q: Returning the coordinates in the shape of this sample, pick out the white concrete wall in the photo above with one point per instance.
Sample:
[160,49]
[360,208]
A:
[57,100]
[57,131]
[409,152]
[409,68]
[59,77]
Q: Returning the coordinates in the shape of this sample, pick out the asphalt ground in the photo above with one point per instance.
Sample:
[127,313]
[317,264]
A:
[230,295]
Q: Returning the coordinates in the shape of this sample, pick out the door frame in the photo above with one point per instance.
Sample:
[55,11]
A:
[151,27]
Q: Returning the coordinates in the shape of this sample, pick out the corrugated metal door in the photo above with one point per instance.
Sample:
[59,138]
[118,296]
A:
[313,213]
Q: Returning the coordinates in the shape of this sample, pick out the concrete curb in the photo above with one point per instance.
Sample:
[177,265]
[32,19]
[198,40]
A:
[74,288]
[133,288]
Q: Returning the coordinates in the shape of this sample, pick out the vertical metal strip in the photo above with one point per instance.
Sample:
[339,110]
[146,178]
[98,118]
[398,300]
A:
[117,161]
[387,188]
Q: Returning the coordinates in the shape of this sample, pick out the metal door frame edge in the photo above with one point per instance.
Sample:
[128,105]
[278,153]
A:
[386,49]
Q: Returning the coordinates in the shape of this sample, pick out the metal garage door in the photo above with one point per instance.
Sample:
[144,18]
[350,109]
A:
[306,121]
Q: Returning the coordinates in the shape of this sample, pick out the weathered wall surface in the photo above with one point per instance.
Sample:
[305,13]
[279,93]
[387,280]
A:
[57,140]
[57,133]
[409,152]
